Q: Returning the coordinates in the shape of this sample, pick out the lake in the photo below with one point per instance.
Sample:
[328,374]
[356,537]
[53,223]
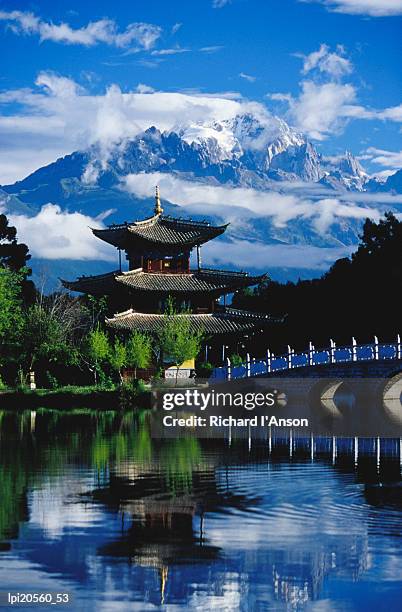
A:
[91,505]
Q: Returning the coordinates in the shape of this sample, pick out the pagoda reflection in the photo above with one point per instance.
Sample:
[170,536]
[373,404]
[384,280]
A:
[165,520]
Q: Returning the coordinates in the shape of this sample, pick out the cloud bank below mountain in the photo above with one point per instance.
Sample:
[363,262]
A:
[240,203]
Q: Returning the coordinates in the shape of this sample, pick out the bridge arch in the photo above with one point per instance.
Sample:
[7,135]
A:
[392,395]
[335,396]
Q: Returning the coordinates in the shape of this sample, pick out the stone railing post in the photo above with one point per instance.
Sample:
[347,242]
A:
[268,361]
[398,347]
[310,353]
[332,351]
[376,352]
[248,365]
[224,347]
[289,358]
[228,369]
[354,349]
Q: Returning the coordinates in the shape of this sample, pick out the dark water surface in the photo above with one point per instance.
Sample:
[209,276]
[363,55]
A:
[90,504]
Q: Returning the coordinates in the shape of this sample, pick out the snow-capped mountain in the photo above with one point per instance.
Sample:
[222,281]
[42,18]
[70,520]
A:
[244,151]
[300,189]
[344,172]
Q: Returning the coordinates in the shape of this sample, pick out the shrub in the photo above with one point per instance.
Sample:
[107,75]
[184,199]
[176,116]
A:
[204,369]
[236,360]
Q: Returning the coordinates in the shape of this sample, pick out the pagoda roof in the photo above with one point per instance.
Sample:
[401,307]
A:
[160,231]
[102,284]
[198,281]
[227,321]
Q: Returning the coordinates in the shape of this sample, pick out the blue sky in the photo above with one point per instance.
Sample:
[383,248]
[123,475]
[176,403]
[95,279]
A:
[331,68]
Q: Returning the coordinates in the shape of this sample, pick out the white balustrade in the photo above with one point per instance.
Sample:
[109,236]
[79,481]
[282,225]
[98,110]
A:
[332,351]
[354,349]
[376,352]
[229,368]
[290,362]
[268,361]
[310,353]
[248,366]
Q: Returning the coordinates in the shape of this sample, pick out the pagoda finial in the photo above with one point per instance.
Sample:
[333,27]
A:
[158,207]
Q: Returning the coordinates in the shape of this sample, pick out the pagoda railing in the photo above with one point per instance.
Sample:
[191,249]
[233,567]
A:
[196,222]
[216,271]
[310,358]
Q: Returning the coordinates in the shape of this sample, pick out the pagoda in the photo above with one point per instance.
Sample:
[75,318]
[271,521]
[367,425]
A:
[158,253]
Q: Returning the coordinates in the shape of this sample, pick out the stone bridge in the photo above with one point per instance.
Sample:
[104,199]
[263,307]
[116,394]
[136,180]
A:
[355,373]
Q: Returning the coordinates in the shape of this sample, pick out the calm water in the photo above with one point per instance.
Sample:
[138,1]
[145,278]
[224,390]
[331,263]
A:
[91,505]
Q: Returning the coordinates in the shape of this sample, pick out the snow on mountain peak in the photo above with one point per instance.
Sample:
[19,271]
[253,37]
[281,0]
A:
[350,165]
[221,142]
[249,148]
[265,135]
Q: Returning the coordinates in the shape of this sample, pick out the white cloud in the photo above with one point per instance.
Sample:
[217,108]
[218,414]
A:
[58,86]
[173,51]
[103,31]
[374,8]
[244,254]
[155,63]
[211,49]
[247,77]
[322,109]
[175,28]
[220,3]
[144,89]
[334,64]
[229,201]
[53,234]
[387,159]
[394,113]
[280,97]
[239,204]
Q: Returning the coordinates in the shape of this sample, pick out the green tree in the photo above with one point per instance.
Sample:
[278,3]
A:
[44,339]
[139,351]
[95,309]
[11,314]
[12,254]
[359,296]
[177,340]
[118,357]
[97,351]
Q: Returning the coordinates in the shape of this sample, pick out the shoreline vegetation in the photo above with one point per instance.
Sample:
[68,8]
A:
[55,350]
[71,397]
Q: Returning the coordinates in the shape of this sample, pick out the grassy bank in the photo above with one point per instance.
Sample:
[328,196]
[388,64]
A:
[70,397]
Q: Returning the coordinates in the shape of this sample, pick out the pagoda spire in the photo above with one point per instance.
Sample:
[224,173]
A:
[158,207]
